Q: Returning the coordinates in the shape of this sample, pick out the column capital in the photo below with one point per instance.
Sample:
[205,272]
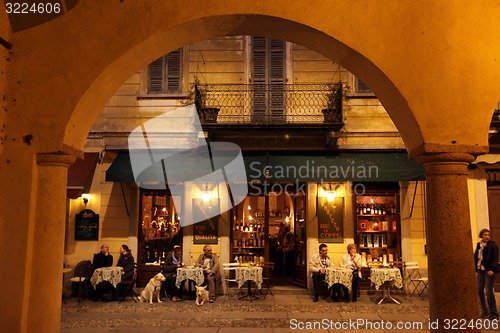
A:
[55,159]
[445,163]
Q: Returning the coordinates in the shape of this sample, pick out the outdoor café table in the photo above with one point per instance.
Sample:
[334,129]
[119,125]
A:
[340,275]
[386,277]
[111,274]
[249,273]
[189,273]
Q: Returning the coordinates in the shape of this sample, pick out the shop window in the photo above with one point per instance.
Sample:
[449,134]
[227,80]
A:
[159,228]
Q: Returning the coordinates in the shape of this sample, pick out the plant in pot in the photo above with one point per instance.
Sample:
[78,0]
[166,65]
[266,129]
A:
[206,114]
[333,111]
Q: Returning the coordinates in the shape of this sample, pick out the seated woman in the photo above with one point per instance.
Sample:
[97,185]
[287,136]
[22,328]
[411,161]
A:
[126,261]
[352,260]
[172,262]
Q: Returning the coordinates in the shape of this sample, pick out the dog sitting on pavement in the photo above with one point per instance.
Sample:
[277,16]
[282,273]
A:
[201,295]
[152,288]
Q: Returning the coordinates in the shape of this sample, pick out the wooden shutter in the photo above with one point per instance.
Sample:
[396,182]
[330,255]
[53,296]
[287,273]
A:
[268,77]
[361,87]
[174,71]
[164,74]
[155,77]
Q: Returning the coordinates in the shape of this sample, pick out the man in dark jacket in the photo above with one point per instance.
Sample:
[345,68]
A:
[172,262]
[486,259]
[103,258]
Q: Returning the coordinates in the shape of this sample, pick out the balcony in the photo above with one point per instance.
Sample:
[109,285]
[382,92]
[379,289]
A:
[269,105]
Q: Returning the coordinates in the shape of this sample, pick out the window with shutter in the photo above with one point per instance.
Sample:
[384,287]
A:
[362,88]
[165,74]
[268,77]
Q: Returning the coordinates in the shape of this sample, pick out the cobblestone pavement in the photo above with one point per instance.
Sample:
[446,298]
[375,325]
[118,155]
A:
[270,314]
[278,313]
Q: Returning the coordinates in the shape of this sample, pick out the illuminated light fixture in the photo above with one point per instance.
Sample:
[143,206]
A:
[249,207]
[287,219]
[206,194]
[250,217]
[330,195]
[85,198]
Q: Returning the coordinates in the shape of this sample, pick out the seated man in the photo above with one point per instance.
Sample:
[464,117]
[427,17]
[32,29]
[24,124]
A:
[103,258]
[210,264]
[172,262]
[317,265]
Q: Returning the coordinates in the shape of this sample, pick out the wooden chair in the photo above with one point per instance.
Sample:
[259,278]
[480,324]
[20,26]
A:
[128,288]
[267,268]
[81,277]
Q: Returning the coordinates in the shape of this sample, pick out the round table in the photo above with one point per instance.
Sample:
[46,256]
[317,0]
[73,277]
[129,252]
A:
[386,277]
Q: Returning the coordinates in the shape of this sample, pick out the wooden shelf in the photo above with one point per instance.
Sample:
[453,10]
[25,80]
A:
[374,215]
[248,247]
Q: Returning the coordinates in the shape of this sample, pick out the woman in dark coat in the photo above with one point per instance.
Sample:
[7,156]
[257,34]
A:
[127,262]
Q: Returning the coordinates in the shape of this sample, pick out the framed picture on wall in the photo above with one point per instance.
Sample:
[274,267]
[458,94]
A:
[206,231]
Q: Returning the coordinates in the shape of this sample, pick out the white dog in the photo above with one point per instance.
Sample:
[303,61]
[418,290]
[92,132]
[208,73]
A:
[201,295]
[152,288]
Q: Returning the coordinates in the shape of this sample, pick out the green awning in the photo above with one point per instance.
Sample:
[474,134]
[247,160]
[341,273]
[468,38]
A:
[314,167]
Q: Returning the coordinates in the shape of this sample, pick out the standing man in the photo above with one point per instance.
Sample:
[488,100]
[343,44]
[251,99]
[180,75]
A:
[103,258]
[210,264]
[486,259]
[317,265]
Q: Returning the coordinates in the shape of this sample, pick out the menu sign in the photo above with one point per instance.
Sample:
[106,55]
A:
[87,225]
[206,231]
[331,220]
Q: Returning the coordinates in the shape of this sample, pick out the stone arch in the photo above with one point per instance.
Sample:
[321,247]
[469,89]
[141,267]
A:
[167,40]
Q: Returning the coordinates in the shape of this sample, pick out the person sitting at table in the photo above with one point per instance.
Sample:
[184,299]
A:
[172,262]
[317,265]
[210,264]
[103,258]
[126,261]
[352,260]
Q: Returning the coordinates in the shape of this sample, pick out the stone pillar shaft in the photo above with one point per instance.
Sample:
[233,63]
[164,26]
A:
[46,255]
[451,263]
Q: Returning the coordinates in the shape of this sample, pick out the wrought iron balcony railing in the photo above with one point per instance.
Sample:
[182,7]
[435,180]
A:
[270,103]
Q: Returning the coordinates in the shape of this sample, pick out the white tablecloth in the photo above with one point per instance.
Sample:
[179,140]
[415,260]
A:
[339,275]
[379,276]
[249,273]
[111,274]
[185,273]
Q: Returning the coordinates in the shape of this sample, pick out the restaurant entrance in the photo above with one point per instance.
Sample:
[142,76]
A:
[269,226]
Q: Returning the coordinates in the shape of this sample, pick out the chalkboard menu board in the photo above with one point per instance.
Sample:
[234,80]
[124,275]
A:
[331,220]
[87,225]
[206,231]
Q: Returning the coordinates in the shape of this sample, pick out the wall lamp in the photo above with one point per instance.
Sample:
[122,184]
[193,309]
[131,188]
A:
[85,198]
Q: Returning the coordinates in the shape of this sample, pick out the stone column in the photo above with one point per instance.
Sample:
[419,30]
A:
[46,254]
[451,263]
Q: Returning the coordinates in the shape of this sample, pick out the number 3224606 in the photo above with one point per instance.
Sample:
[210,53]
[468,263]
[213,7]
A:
[35,8]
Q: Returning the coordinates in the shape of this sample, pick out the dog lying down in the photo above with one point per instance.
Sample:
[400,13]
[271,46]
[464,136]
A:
[201,295]
[152,288]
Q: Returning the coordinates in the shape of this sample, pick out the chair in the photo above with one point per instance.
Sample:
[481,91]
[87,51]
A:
[81,277]
[401,265]
[415,278]
[228,270]
[128,288]
[267,268]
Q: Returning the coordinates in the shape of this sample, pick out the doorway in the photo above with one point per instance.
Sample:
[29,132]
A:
[270,227]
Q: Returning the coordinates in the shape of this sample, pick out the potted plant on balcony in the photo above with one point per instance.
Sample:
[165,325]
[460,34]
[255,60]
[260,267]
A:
[206,114]
[333,111]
